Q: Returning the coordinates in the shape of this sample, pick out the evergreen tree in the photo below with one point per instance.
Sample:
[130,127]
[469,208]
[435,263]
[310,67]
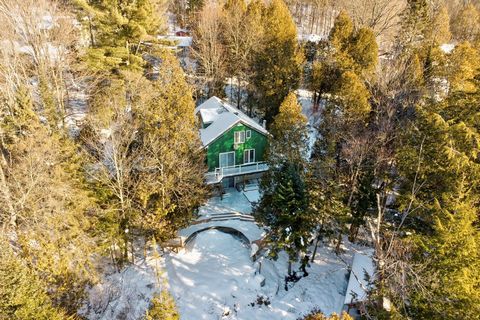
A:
[453,256]
[277,66]
[438,160]
[440,28]
[326,203]
[415,22]
[119,30]
[353,97]
[149,169]
[22,293]
[162,307]
[349,58]
[283,208]
[47,202]
[175,188]
[463,67]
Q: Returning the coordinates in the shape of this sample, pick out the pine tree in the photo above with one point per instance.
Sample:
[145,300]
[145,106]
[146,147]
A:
[277,66]
[364,51]
[118,31]
[353,50]
[162,307]
[340,39]
[415,21]
[173,187]
[442,139]
[353,97]
[463,67]
[283,208]
[149,169]
[453,256]
[42,182]
[326,203]
[440,28]
[22,293]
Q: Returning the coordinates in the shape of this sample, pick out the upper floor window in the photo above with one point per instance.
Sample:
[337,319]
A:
[249,156]
[239,137]
[248,134]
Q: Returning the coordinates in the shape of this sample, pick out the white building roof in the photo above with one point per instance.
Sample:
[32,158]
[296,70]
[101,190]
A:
[362,265]
[180,42]
[447,47]
[222,116]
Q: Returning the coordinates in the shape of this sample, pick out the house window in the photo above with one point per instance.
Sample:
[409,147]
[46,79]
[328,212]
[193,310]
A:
[249,156]
[227,159]
[239,137]
[248,134]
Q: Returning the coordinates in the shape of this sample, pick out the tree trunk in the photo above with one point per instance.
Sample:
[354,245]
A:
[315,249]
[353,234]
[339,243]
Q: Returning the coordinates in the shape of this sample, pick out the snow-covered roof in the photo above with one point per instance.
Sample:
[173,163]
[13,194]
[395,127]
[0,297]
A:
[447,47]
[180,41]
[362,265]
[312,37]
[222,116]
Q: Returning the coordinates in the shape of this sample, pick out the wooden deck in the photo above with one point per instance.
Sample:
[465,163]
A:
[242,169]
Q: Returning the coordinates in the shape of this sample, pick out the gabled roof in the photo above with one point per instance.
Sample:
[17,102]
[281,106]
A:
[222,116]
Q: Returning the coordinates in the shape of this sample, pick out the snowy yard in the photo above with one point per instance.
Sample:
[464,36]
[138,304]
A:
[214,278]
[232,201]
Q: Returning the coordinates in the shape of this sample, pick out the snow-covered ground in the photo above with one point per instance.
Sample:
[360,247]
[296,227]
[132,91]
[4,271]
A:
[215,278]
[232,201]
[125,294]
[313,116]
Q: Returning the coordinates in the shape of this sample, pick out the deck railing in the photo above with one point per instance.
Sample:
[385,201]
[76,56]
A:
[246,168]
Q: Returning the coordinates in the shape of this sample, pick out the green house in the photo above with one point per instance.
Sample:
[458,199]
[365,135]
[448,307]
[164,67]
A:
[235,143]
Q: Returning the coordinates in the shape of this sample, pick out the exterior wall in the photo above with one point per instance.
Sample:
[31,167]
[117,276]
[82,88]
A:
[224,143]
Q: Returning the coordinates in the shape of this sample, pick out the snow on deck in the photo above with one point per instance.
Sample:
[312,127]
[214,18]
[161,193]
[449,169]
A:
[252,195]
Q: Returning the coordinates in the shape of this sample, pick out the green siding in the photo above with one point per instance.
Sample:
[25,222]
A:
[224,143]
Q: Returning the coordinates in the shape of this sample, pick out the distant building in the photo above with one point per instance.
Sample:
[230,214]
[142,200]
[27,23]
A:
[182,33]
[180,44]
[235,143]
